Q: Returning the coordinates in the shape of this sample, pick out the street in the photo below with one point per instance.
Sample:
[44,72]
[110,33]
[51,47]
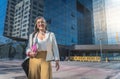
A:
[68,70]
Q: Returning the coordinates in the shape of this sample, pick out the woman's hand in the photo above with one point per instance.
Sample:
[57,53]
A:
[57,65]
[32,54]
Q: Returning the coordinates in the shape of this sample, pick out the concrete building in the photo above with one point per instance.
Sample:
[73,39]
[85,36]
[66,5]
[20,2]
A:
[21,20]
[9,18]
[22,16]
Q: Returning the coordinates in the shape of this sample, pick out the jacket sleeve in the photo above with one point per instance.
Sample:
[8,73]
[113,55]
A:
[28,49]
[55,47]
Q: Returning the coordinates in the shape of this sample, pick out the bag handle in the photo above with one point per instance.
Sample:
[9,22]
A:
[34,36]
[37,35]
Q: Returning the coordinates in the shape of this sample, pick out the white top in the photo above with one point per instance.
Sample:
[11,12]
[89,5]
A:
[42,44]
[52,48]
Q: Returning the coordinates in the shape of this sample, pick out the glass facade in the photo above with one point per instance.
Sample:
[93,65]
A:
[100,29]
[106,21]
[85,22]
[112,19]
[62,17]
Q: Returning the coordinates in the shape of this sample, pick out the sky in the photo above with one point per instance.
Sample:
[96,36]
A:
[3,5]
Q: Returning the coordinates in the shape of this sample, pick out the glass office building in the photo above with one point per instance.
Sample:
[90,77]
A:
[61,18]
[85,22]
[100,29]
[106,21]
[70,20]
[112,20]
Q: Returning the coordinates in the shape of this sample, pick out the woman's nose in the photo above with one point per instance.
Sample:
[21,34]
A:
[41,23]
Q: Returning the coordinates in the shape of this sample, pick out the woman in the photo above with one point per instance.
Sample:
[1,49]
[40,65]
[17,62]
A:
[47,50]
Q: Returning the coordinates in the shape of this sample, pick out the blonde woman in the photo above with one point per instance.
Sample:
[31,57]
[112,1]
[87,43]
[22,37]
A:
[47,50]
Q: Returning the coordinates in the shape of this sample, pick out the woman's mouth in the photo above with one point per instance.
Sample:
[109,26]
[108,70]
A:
[41,25]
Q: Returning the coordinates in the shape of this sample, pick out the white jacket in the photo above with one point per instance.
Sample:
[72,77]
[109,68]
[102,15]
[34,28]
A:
[52,48]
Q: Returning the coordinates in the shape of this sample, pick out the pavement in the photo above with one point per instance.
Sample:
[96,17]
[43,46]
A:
[11,69]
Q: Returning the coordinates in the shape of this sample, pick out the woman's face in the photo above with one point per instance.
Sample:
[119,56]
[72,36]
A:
[41,25]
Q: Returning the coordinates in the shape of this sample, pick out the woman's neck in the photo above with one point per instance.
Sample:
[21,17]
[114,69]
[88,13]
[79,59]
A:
[42,31]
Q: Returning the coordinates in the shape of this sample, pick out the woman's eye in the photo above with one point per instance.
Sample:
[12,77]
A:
[41,22]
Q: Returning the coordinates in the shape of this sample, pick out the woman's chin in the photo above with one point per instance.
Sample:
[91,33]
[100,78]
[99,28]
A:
[41,29]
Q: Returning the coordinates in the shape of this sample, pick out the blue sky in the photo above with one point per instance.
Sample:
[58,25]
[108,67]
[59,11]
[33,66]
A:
[3,6]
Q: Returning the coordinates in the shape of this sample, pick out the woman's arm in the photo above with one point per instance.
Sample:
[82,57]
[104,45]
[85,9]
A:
[28,49]
[55,47]
[56,52]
